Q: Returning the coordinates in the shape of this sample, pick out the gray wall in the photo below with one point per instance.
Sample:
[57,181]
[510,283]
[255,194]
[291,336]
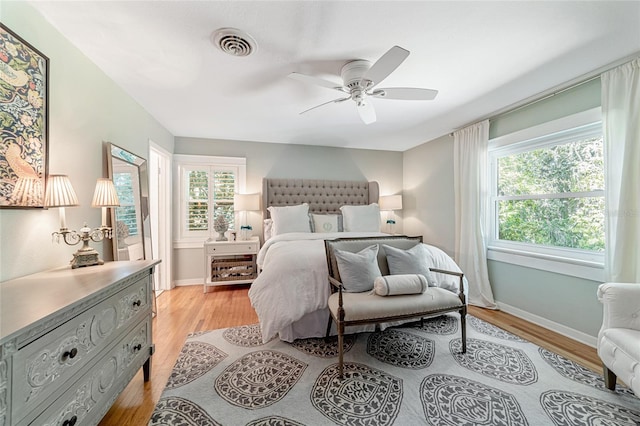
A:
[85,109]
[288,161]
[428,196]
[430,210]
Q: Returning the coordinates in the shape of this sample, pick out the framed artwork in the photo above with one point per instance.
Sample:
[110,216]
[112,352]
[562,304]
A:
[24,117]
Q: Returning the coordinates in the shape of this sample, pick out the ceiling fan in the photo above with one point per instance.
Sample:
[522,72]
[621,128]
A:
[359,81]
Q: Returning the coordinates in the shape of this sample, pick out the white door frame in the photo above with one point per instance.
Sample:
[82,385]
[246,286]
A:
[160,187]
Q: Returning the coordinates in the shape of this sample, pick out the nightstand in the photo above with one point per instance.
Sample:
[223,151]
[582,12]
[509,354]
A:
[230,262]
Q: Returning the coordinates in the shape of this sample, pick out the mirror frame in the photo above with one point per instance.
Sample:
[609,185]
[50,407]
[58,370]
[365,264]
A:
[116,153]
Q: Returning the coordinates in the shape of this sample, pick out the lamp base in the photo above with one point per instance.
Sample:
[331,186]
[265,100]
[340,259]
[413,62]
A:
[83,258]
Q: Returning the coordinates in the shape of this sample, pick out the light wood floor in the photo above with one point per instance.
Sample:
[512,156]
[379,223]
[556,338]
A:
[185,310]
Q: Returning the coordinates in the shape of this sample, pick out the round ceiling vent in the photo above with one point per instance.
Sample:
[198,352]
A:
[234,42]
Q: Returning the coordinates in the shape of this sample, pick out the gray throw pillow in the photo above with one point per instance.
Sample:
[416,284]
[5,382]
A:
[358,270]
[416,260]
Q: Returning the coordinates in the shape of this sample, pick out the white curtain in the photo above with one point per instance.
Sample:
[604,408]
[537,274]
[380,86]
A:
[470,154]
[621,130]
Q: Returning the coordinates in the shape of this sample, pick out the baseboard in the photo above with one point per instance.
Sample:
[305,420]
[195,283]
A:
[190,281]
[550,325]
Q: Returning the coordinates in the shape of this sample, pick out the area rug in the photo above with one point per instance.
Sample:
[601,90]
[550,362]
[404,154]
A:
[408,375]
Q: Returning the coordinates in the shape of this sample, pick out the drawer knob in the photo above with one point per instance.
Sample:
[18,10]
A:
[70,422]
[69,354]
[137,303]
[137,347]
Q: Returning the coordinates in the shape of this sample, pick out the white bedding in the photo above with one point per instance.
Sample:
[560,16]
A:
[293,281]
[293,284]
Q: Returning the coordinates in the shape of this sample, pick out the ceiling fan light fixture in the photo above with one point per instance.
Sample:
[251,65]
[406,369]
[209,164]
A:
[234,42]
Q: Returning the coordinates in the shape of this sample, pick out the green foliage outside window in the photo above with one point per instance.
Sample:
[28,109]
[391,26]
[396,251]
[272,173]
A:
[548,217]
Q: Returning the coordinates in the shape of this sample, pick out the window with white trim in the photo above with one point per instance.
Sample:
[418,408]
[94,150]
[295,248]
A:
[206,188]
[547,194]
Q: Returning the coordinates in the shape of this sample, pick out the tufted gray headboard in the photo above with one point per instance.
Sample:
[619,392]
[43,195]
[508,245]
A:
[323,196]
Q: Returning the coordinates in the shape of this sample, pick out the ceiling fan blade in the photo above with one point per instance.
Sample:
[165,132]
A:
[406,93]
[326,103]
[367,112]
[386,64]
[317,81]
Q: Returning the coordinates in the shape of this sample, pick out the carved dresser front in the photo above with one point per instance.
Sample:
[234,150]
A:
[71,340]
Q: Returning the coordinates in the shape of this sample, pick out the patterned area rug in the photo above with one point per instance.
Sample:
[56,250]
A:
[409,375]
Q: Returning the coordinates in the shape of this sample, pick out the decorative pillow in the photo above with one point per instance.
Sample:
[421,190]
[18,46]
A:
[290,219]
[392,285]
[361,218]
[358,270]
[325,223]
[416,260]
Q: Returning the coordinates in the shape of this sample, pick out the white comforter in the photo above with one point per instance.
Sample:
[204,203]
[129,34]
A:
[293,281]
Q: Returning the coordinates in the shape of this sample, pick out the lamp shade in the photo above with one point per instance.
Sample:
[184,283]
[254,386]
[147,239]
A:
[246,202]
[60,193]
[390,202]
[105,194]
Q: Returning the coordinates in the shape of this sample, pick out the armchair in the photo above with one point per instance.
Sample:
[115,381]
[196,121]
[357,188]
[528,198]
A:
[619,336]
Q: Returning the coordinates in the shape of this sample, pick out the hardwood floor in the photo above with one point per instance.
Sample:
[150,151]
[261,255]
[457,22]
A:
[185,310]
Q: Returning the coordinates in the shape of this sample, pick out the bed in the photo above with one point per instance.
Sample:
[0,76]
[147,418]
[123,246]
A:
[291,292]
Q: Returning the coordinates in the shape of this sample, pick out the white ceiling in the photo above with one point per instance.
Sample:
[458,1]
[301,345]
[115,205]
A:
[481,56]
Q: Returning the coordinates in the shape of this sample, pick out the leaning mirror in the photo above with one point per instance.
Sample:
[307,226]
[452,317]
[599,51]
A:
[130,221]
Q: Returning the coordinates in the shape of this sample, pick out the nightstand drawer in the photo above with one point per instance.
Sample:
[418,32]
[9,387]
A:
[41,367]
[242,247]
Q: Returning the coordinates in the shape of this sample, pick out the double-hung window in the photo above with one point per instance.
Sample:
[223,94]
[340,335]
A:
[547,193]
[206,189]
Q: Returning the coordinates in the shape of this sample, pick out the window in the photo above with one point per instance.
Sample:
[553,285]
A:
[206,188]
[547,192]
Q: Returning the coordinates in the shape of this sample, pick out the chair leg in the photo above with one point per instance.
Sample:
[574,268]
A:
[609,378]
[463,326]
[340,350]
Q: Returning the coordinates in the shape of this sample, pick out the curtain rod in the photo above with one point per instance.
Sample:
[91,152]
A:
[578,81]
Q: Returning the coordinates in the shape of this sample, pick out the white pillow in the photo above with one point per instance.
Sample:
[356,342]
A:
[358,270]
[361,218]
[416,260]
[325,223]
[290,219]
[392,285]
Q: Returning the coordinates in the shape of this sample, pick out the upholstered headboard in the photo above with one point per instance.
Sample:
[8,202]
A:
[323,196]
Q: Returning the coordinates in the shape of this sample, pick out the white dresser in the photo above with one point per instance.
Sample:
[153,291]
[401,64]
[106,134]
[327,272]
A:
[71,340]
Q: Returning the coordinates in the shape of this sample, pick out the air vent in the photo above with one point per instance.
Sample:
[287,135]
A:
[234,42]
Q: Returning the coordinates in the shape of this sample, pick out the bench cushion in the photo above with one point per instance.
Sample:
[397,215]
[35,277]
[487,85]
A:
[368,306]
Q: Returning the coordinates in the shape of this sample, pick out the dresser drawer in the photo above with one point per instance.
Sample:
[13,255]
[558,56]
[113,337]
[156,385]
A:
[85,401]
[43,366]
[248,247]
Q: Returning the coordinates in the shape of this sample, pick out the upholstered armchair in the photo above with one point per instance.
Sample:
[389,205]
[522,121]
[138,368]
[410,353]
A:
[619,337]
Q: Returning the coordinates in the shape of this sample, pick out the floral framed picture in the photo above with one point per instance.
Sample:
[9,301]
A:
[24,116]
